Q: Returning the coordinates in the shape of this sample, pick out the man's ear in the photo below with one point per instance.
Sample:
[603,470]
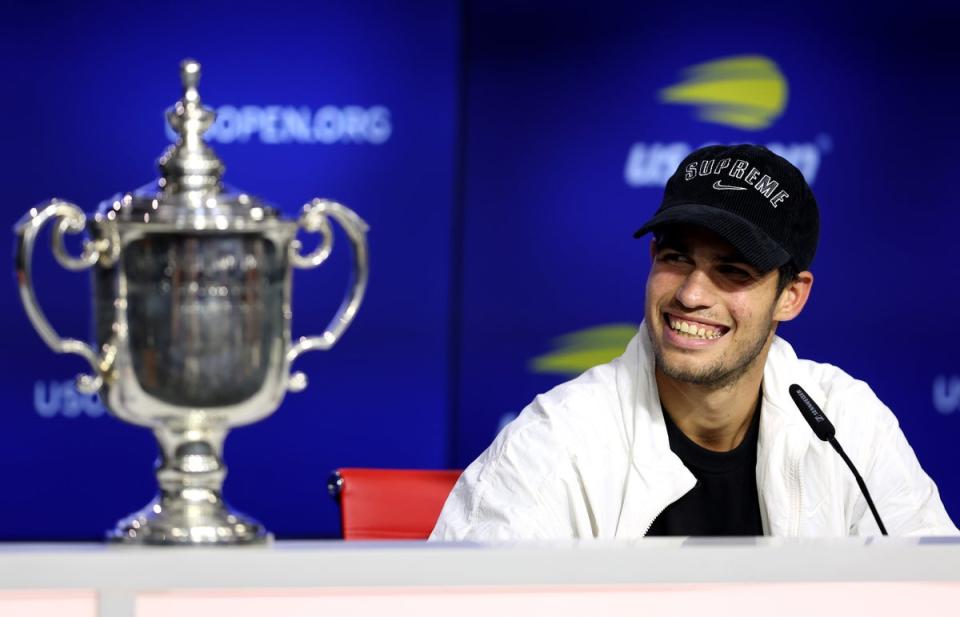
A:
[653,248]
[794,297]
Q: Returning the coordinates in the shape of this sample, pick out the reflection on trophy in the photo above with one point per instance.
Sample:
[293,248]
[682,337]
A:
[192,284]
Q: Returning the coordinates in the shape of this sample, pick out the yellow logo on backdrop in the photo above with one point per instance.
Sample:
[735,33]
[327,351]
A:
[576,352]
[745,92]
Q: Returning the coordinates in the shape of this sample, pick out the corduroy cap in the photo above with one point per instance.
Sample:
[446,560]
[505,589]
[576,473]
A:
[752,198]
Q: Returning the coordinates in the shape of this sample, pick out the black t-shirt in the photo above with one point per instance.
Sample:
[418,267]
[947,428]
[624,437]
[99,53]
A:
[724,501]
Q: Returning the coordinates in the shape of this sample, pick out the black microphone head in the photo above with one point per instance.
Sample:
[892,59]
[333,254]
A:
[812,413]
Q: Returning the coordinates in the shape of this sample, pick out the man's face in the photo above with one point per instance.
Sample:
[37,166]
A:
[709,314]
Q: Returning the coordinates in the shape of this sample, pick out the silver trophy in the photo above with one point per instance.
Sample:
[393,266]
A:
[191,296]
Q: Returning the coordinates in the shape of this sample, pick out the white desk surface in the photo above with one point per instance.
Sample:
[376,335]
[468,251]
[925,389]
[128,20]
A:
[345,564]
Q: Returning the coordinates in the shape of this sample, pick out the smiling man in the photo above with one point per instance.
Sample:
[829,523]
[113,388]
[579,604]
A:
[692,430]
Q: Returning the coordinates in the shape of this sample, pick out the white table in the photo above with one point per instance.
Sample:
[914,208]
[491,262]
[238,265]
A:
[669,576]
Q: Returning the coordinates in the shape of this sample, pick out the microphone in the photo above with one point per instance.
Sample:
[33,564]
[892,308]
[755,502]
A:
[824,429]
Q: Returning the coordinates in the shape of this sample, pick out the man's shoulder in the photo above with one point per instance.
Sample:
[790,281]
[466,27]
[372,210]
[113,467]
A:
[521,485]
[842,396]
[830,377]
[595,386]
[569,416]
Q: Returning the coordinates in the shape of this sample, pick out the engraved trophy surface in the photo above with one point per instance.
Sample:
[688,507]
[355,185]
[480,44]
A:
[191,296]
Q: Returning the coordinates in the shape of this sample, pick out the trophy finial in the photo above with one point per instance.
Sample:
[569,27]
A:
[190,77]
[190,164]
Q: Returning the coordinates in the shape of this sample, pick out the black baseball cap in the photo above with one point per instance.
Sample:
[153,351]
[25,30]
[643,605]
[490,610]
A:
[752,198]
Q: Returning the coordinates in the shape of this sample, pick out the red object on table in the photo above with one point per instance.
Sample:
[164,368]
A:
[390,504]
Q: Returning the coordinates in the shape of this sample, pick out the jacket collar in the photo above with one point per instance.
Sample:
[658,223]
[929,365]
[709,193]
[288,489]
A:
[657,477]
[783,441]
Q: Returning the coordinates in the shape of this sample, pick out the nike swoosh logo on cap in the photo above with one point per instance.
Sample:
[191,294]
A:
[727,187]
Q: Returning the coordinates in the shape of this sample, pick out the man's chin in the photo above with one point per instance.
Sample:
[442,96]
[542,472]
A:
[692,366]
[694,376]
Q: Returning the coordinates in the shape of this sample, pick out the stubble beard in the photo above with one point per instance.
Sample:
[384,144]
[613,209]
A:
[721,374]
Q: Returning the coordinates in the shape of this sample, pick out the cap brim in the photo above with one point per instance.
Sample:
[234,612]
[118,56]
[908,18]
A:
[759,249]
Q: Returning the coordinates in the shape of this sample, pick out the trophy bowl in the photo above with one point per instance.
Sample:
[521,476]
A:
[191,299]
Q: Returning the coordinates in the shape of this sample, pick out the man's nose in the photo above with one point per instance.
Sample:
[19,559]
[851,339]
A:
[696,291]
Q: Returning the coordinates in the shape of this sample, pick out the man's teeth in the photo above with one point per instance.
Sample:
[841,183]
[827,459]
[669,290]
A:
[694,330]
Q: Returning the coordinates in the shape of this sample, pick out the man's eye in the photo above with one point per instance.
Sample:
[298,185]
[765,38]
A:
[735,272]
[671,257]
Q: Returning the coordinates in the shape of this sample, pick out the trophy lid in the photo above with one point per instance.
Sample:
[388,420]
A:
[190,164]
[189,193]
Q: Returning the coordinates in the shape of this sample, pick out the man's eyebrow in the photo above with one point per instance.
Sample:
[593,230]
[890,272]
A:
[733,258]
[671,242]
[675,243]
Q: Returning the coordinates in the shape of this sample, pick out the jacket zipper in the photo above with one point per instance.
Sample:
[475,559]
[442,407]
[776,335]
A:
[661,511]
[654,520]
[797,500]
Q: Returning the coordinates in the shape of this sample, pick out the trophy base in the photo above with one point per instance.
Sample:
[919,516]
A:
[190,524]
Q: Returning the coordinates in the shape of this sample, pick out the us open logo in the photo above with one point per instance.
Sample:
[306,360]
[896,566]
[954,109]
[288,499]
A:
[747,93]
[287,124]
[946,394]
[60,398]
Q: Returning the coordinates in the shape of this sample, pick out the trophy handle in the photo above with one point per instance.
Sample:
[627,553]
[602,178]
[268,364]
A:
[69,219]
[316,219]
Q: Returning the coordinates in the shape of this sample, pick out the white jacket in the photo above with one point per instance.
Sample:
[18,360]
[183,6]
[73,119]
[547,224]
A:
[591,459]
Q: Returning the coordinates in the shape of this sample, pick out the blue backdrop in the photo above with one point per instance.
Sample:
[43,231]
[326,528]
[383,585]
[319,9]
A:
[503,154]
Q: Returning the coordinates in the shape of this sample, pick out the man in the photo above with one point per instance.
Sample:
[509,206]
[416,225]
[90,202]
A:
[692,430]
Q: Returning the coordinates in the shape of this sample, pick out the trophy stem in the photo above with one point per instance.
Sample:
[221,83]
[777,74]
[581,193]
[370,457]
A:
[189,510]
